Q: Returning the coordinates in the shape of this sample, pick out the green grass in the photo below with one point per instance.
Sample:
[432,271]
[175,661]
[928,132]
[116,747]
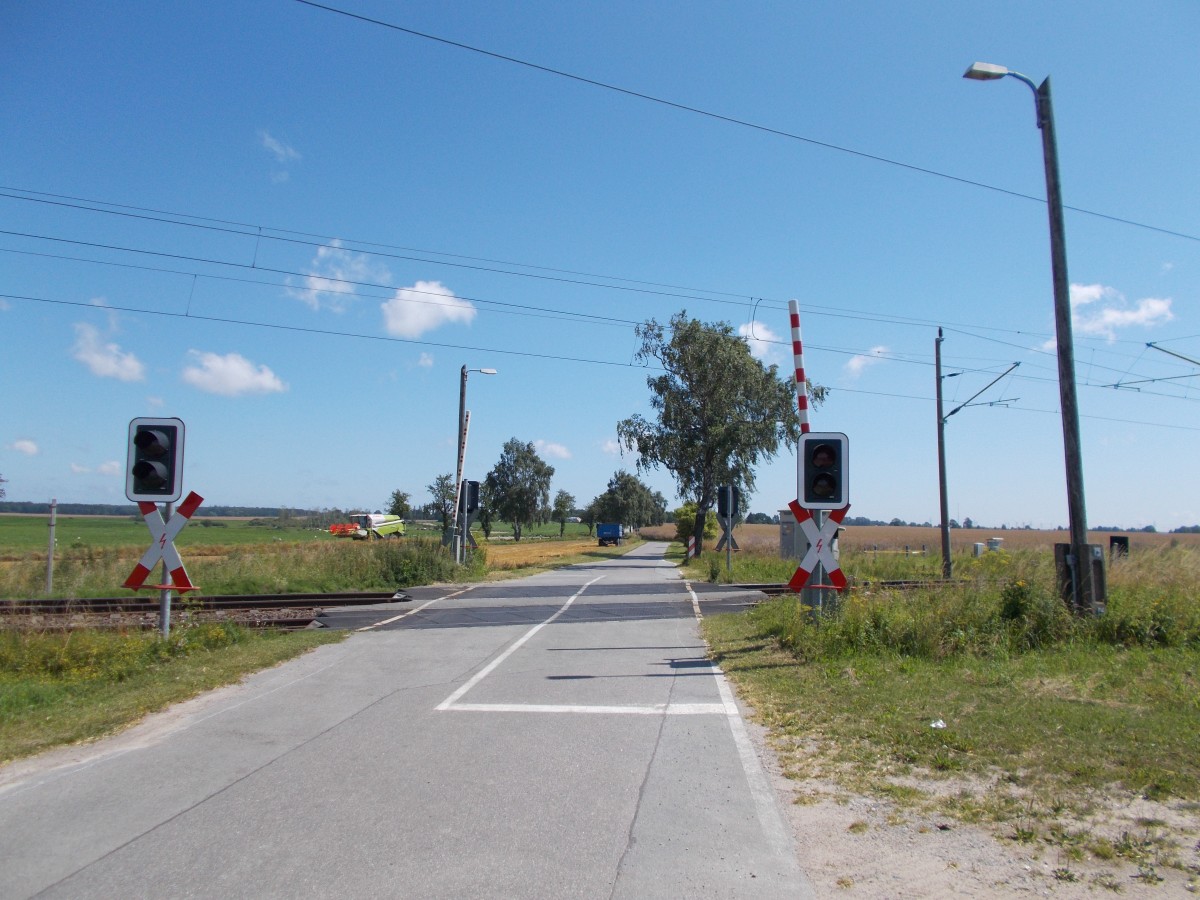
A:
[23,534]
[1045,714]
[342,565]
[62,688]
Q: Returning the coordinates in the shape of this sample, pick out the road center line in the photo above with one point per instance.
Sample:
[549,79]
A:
[516,645]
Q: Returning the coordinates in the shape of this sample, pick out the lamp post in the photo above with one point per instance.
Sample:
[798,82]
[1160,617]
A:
[458,535]
[1079,560]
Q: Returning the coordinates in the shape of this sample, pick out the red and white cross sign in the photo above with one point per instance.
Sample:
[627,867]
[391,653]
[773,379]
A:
[164,534]
[820,546]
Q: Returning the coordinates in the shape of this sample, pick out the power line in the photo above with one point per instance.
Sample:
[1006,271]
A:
[731,120]
[323,331]
[225,320]
[501,306]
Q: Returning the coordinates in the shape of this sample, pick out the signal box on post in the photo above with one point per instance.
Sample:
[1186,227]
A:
[825,470]
[154,467]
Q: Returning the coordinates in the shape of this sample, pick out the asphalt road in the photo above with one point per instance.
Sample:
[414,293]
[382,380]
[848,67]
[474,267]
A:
[557,736]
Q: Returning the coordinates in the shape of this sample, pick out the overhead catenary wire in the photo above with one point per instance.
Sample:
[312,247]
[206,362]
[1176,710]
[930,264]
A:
[629,284]
[503,306]
[226,320]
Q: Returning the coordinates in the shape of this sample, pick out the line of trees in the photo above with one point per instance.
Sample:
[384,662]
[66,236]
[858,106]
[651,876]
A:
[517,491]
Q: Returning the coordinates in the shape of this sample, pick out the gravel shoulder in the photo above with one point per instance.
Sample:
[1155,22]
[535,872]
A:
[870,847]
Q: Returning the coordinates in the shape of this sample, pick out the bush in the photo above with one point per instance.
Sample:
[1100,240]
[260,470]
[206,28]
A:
[685,523]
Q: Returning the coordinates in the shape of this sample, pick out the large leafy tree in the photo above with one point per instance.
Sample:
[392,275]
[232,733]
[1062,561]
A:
[630,502]
[719,411]
[519,485]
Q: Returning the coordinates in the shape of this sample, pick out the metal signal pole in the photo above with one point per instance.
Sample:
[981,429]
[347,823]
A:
[947,565]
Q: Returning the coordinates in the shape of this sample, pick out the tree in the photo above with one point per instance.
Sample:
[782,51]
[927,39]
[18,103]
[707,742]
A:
[398,505]
[443,493]
[719,410]
[630,502]
[591,515]
[519,485]
[563,504]
[685,523]
[3,481]
[486,514]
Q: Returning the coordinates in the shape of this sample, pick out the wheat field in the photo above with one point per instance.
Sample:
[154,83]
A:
[898,537]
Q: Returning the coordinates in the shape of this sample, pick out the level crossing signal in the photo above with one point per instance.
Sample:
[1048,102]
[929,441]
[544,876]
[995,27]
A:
[154,467]
[728,500]
[825,465]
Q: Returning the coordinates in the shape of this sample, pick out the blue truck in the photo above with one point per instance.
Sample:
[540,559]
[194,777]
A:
[610,534]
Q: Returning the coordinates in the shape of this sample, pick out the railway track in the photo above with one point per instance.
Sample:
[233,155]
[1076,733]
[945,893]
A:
[774,589]
[287,611]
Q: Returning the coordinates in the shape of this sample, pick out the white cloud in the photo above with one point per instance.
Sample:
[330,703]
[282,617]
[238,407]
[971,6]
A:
[5,306]
[231,375]
[764,344]
[423,307]
[1100,310]
[857,364]
[105,359]
[112,467]
[155,402]
[611,447]
[77,469]
[283,153]
[335,273]
[426,361]
[26,446]
[552,450]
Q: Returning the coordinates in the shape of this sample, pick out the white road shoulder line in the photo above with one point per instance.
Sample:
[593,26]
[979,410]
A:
[769,818]
[656,709]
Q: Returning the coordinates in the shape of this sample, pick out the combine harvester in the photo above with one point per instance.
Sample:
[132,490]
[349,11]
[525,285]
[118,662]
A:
[363,526]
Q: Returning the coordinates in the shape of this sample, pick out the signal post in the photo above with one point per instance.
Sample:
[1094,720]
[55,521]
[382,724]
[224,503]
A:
[153,474]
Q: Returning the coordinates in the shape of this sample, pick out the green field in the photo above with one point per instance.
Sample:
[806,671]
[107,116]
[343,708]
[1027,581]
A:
[21,535]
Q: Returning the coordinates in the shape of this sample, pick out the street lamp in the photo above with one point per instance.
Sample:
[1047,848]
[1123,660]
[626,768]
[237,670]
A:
[1079,558]
[462,452]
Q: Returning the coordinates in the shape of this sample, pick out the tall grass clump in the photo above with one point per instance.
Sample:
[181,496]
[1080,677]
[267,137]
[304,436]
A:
[330,566]
[1004,605]
[266,568]
[75,657]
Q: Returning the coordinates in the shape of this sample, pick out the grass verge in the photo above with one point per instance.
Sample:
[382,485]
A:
[1041,743]
[63,688]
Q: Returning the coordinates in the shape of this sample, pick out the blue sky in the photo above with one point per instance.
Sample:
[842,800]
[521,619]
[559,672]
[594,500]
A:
[291,229]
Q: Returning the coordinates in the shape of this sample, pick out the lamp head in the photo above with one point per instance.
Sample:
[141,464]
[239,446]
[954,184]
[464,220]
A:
[981,71]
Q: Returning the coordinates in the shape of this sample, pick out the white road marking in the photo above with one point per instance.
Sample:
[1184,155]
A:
[409,612]
[761,791]
[654,709]
[516,645]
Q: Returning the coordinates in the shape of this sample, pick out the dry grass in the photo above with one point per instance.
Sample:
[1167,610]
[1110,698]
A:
[897,537]
[527,554]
